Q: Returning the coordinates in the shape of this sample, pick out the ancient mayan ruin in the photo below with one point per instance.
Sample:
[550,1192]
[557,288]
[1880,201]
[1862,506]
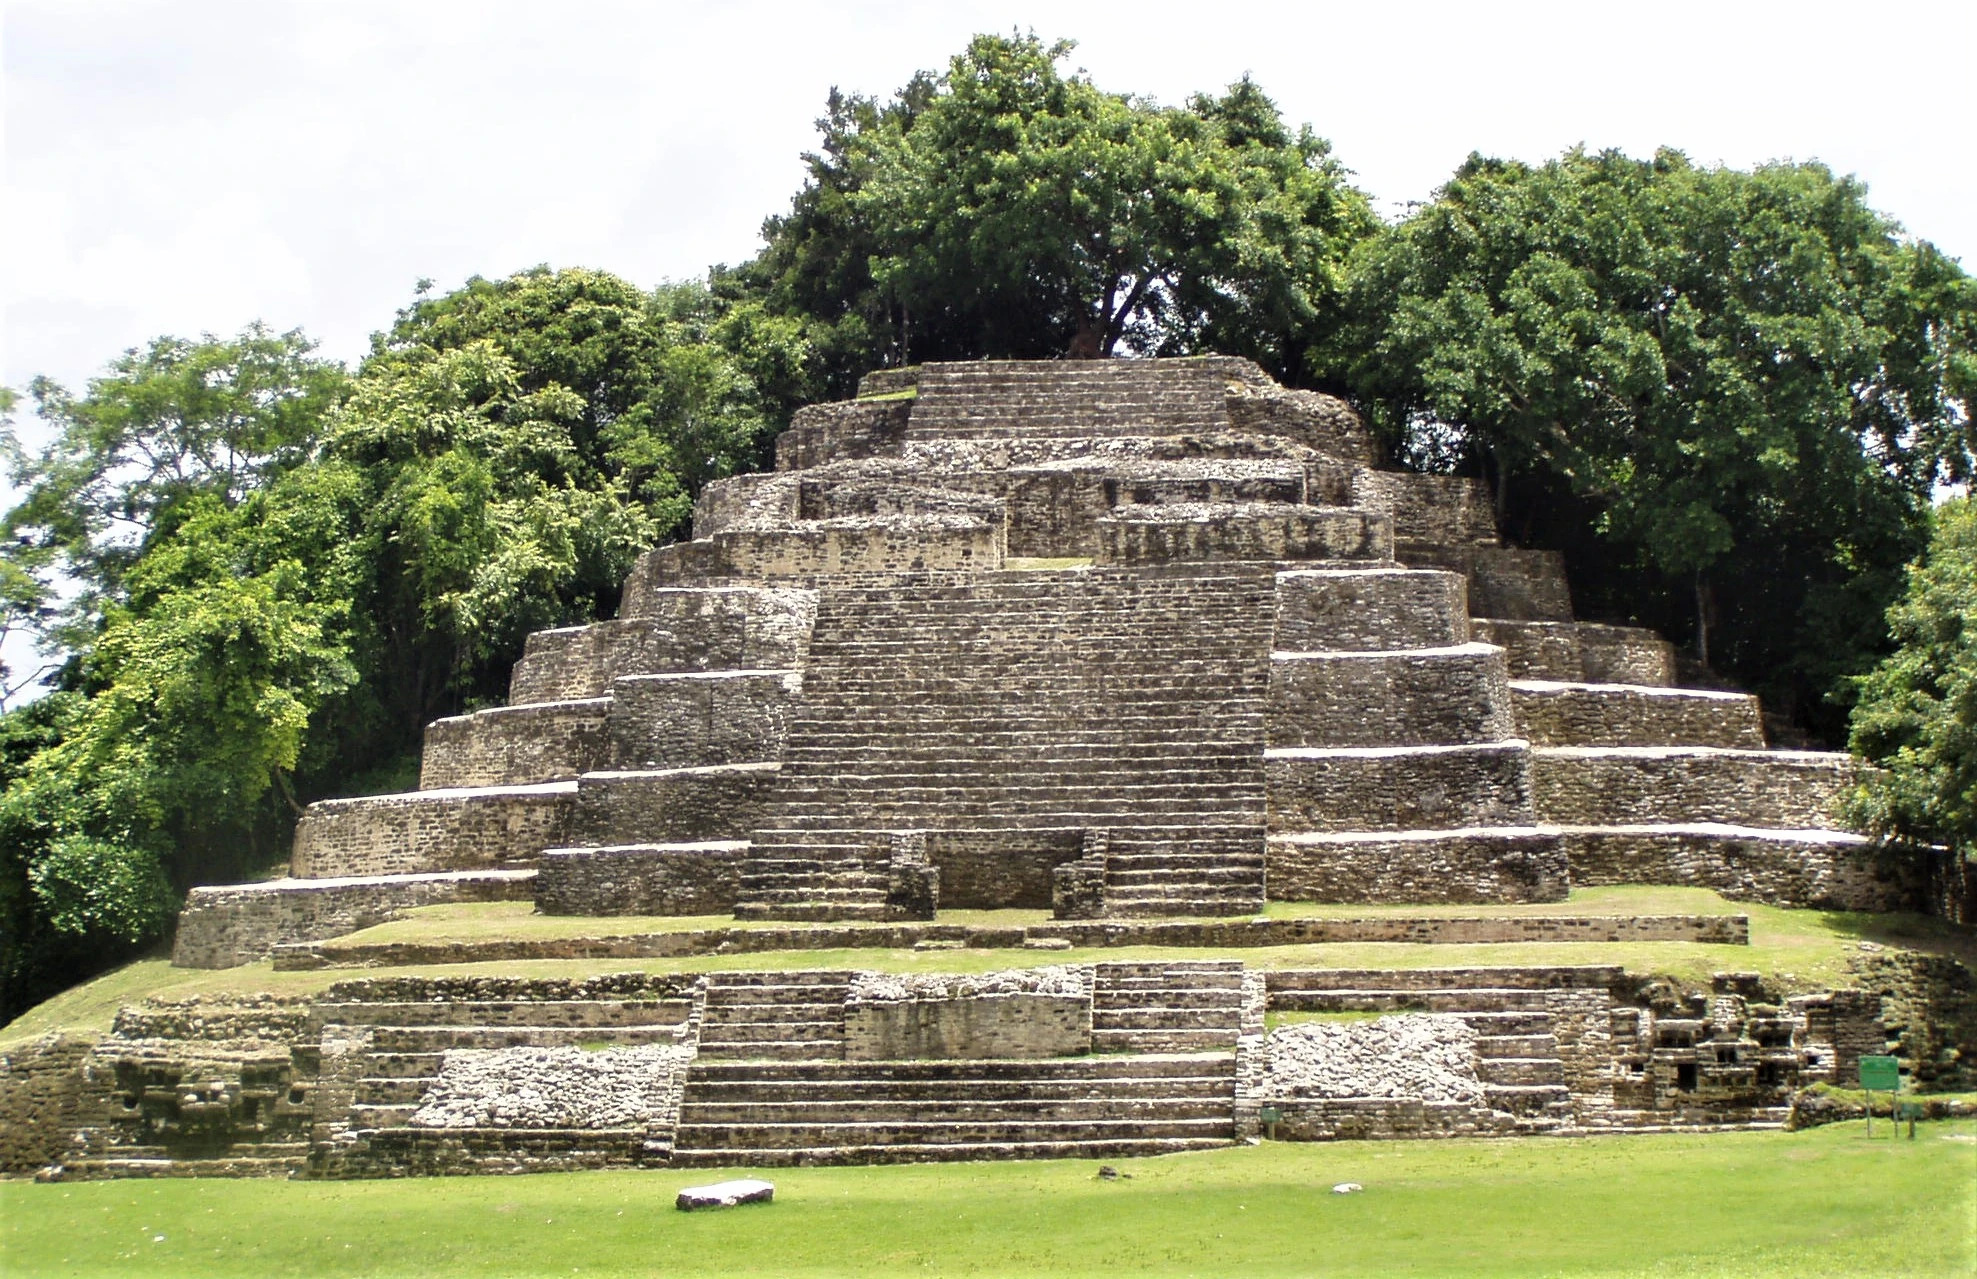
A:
[1147,644]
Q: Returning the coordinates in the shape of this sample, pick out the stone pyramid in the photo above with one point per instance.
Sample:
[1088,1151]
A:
[1119,638]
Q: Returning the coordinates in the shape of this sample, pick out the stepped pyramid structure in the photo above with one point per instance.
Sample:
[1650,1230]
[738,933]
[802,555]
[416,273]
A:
[1142,644]
[1122,638]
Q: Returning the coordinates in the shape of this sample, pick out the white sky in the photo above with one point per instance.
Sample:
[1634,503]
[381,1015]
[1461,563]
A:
[191,166]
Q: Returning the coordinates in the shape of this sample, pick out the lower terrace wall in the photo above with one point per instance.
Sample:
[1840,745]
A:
[425,831]
[641,879]
[970,1027]
[242,924]
[515,745]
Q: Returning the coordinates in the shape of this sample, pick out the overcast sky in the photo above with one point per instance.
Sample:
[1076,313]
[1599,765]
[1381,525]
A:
[192,166]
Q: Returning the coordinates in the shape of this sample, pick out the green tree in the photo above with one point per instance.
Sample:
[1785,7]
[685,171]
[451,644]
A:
[1725,394]
[1006,209]
[1917,713]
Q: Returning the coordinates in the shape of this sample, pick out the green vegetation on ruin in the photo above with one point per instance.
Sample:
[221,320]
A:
[1824,1202]
[1801,950]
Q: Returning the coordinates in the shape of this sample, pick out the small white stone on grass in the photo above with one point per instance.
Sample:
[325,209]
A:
[1347,1188]
[725,1194]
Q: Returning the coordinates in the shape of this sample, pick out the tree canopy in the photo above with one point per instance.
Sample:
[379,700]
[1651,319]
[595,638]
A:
[279,572]
[1917,713]
[1727,394]
[1003,208]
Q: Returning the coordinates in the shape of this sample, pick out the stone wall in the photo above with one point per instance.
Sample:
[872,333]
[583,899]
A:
[699,718]
[1012,1025]
[1452,866]
[997,869]
[807,552]
[1429,511]
[1180,532]
[1622,786]
[641,879]
[1377,609]
[1398,788]
[1823,869]
[515,745]
[670,806]
[41,1101]
[1580,651]
[227,926]
[1554,714]
[821,433]
[435,830]
[680,629]
[1444,696]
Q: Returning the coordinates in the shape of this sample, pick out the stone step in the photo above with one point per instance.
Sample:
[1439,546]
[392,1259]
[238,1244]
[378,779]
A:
[1114,1090]
[1433,1001]
[886,1109]
[1196,1014]
[929,1152]
[728,1032]
[773,1049]
[933,1132]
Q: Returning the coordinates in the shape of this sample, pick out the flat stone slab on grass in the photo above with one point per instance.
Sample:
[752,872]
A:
[726,1194]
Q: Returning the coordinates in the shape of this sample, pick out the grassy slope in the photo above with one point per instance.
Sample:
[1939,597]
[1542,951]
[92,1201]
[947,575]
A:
[1825,1202]
[1803,949]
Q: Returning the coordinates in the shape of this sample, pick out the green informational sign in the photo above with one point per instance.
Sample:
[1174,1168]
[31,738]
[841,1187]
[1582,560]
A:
[1880,1074]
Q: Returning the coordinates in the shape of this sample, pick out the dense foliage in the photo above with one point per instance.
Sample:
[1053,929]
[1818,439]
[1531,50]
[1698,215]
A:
[1005,209]
[1726,395]
[1917,714]
[266,575]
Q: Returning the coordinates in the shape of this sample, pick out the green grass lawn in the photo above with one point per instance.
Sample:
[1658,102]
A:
[1826,1202]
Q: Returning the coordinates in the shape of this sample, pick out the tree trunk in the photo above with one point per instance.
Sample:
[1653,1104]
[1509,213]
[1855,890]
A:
[1702,620]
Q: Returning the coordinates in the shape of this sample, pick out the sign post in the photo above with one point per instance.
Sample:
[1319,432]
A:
[1880,1074]
[1271,1118]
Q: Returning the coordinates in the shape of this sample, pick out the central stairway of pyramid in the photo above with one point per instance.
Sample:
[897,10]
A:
[1119,638]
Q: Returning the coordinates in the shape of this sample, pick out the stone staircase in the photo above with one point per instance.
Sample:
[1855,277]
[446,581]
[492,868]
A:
[383,1057]
[762,1113]
[1517,1014]
[794,1016]
[1023,702]
[1081,399]
[1167,1006]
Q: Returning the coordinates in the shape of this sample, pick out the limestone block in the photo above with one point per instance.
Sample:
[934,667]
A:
[1647,785]
[699,718]
[436,830]
[241,924]
[822,433]
[1418,697]
[1372,609]
[669,806]
[1475,865]
[1398,788]
[641,879]
[1429,511]
[725,1194]
[515,745]
[1552,713]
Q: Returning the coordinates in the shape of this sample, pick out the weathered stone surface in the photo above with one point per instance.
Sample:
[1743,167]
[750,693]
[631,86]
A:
[436,830]
[226,926]
[641,879]
[725,1194]
[553,1088]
